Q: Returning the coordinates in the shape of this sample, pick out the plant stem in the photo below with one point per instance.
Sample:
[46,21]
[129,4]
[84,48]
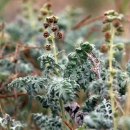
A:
[60,100]
[62,112]
[111,75]
[54,47]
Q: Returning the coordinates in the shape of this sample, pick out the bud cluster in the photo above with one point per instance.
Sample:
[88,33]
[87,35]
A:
[51,24]
[45,11]
[26,8]
[112,18]
[50,27]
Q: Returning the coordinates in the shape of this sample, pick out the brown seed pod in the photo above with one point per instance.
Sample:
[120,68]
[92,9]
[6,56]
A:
[48,47]
[40,18]
[46,34]
[54,28]
[107,35]
[59,35]
[45,24]
[50,20]
[55,19]
[104,48]
[116,23]
[106,27]
[44,12]
[48,4]
[120,29]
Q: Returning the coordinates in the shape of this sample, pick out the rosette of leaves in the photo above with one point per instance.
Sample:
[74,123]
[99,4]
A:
[47,62]
[58,89]
[32,84]
[79,65]
[8,123]
[47,122]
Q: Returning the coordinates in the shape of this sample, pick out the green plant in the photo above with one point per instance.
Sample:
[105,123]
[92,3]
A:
[86,87]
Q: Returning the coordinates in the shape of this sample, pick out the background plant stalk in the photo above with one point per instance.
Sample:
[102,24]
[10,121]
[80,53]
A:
[111,75]
[60,100]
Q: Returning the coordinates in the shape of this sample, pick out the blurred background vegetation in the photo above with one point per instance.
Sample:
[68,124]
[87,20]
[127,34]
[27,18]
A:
[22,27]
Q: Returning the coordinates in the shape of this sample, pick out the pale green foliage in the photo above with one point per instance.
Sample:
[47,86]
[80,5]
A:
[32,84]
[47,122]
[7,122]
[47,62]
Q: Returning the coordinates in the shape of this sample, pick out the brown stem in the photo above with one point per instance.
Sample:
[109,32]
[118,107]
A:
[13,95]
[67,125]
[91,21]
[81,22]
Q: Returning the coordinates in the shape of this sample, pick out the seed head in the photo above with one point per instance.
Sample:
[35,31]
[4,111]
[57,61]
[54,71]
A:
[45,24]
[50,20]
[40,18]
[48,47]
[54,28]
[116,23]
[120,29]
[55,19]
[104,48]
[48,5]
[44,11]
[107,35]
[59,35]
[46,34]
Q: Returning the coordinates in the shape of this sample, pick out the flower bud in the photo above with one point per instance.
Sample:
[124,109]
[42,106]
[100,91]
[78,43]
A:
[49,38]
[59,35]
[45,24]
[120,29]
[110,12]
[54,28]
[48,47]
[116,23]
[48,5]
[55,19]
[40,18]
[113,72]
[106,27]
[104,48]
[107,36]
[50,19]
[44,12]
[41,29]
[109,19]
[116,114]
[120,46]
[46,34]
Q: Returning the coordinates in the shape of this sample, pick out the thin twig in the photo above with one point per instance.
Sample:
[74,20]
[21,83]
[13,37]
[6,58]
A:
[119,106]
[91,21]
[81,22]
[93,28]
[13,95]
[25,49]
[67,125]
